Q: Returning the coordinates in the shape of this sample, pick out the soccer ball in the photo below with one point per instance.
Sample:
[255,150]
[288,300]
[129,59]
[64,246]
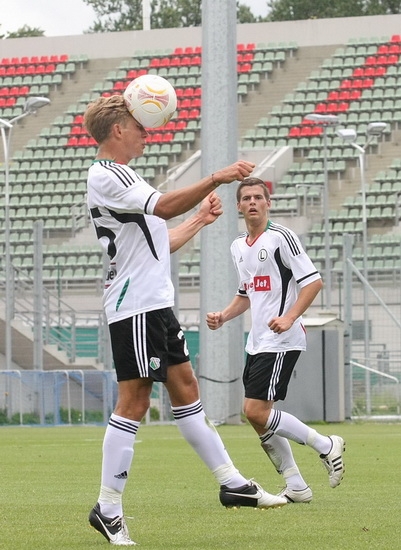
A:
[151,100]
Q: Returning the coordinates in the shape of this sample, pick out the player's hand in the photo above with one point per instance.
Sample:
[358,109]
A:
[210,208]
[235,172]
[214,320]
[280,324]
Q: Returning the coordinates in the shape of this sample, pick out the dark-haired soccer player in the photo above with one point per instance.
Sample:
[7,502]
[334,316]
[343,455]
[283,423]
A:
[278,281]
[147,341]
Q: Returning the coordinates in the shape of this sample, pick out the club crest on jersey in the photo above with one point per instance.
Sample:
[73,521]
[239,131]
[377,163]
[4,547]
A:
[154,363]
[262,255]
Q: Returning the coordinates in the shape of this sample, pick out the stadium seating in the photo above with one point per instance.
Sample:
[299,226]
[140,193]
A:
[360,80]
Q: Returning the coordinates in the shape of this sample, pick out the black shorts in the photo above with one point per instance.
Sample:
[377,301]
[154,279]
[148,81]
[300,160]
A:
[146,344]
[267,375]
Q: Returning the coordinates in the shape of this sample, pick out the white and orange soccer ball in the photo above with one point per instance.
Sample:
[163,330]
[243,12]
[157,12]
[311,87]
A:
[151,100]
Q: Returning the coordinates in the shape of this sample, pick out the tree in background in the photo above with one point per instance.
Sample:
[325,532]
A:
[23,32]
[294,10]
[126,15]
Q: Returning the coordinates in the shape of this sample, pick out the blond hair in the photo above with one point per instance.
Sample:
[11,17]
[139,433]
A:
[102,114]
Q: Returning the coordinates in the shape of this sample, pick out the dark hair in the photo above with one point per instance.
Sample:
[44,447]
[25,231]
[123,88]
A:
[251,182]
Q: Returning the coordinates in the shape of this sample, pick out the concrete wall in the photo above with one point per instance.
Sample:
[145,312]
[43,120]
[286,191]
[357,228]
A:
[311,32]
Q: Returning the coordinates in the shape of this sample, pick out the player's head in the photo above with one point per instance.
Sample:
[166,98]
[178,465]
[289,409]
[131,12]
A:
[103,113]
[252,182]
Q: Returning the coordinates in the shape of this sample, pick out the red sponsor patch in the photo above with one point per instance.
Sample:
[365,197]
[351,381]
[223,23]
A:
[261,283]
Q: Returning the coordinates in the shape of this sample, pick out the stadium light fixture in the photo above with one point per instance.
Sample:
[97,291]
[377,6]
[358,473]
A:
[349,135]
[32,104]
[325,121]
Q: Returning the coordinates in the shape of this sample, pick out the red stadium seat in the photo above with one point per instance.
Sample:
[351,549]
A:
[194,113]
[371,60]
[78,119]
[396,38]
[131,74]
[316,130]
[382,49]
[343,106]
[72,141]
[367,82]
[155,62]
[189,51]
[380,71]
[321,108]
[119,85]
[294,132]
[196,60]
[83,141]
[178,51]
[358,72]
[355,94]
[196,103]
[333,96]
[392,59]
[394,49]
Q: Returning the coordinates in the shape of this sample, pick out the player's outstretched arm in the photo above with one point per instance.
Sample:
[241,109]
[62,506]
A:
[179,201]
[210,209]
[216,319]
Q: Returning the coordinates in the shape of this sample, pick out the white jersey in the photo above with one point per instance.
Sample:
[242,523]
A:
[121,204]
[270,270]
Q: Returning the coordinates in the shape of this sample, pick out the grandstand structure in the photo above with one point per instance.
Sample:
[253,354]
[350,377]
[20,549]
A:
[348,67]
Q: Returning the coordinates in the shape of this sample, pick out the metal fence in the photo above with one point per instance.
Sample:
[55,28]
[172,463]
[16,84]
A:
[65,397]
[372,320]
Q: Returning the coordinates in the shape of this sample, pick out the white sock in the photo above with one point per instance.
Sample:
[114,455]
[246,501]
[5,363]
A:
[118,451]
[288,426]
[198,431]
[279,451]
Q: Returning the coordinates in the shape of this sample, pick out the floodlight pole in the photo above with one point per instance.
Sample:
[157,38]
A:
[6,129]
[324,121]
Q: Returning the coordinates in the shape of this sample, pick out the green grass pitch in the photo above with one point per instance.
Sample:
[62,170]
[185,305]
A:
[50,480]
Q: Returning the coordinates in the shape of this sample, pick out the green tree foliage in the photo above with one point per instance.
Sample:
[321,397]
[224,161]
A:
[293,10]
[23,32]
[126,15]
